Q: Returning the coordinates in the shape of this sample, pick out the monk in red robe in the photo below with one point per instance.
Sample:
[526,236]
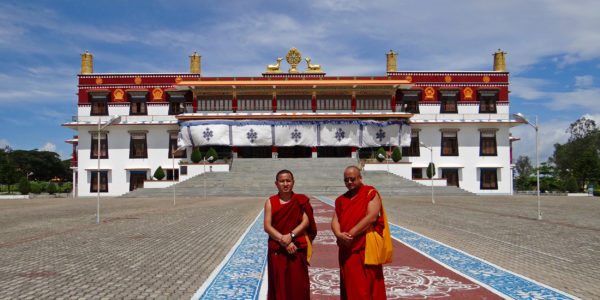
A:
[291,227]
[356,211]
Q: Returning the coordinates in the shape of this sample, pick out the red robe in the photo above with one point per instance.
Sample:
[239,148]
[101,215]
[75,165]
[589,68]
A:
[288,273]
[357,280]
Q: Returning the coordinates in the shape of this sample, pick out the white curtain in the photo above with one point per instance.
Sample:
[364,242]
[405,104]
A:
[183,138]
[373,135]
[296,135]
[405,135]
[209,134]
[339,135]
[251,135]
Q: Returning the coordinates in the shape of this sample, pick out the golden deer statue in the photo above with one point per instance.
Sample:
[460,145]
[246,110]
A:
[275,68]
[313,68]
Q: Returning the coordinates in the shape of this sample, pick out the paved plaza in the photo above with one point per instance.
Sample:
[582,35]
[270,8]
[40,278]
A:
[150,248]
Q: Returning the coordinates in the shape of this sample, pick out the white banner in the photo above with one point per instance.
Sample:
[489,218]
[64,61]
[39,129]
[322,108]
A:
[210,135]
[373,136]
[405,135]
[339,135]
[296,135]
[183,138]
[251,135]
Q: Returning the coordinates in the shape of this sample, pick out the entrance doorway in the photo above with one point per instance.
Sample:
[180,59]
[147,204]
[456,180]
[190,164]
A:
[136,180]
[255,152]
[334,151]
[294,152]
[451,175]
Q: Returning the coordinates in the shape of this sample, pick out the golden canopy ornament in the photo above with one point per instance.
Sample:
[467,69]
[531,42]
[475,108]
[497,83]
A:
[293,57]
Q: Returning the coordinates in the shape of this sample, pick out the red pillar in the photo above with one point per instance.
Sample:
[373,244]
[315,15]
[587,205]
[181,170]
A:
[274,102]
[195,103]
[234,102]
[353,101]
[393,102]
[313,102]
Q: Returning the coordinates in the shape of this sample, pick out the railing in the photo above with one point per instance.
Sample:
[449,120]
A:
[124,119]
[461,117]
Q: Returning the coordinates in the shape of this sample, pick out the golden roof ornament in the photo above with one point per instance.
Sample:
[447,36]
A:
[195,63]
[276,67]
[499,61]
[391,61]
[87,63]
[293,57]
[312,68]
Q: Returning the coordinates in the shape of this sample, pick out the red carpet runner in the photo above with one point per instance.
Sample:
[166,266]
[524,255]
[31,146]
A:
[410,276]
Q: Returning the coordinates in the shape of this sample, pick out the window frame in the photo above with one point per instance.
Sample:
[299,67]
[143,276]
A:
[176,100]
[448,96]
[173,136]
[134,136]
[492,174]
[103,145]
[135,98]
[94,181]
[449,142]
[488,101]
[414,150]
[491,140]
[410,101]
[95,100]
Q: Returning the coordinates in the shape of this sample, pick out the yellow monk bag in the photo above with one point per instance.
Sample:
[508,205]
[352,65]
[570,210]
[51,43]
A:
[378,249]
[308,248]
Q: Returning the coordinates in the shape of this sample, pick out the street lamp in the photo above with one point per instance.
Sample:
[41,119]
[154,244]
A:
[521,118]
[432,171]
[112,120]
[173,157]
[210,158]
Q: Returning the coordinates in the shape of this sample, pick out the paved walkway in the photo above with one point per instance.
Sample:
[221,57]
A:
[148,248]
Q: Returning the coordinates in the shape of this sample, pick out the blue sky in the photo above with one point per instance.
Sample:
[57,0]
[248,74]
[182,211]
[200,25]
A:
[553,50]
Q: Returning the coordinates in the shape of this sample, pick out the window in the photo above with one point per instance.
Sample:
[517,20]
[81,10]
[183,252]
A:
[414,148]
[103,182]
[489,179]
[487,143]
[137,104]
[449,143]
[176,103]
[451,175]
[410,101]
[137,146]
[171,172]
[173,146]
[103,145]
[487,101]
[183,170]
[417,173]
[448,99]
[99,103]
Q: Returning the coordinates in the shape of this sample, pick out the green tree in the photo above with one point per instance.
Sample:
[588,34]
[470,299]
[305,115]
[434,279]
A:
[211,153]
[430,170]
[196,156]
[24,186]
[380,154]
[159,174]
[52,189]
[8,169]
[524,171]
[396,154]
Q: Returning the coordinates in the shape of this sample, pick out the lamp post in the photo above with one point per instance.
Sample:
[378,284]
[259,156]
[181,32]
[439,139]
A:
[521,118]
[432,171]
[210,158]
[112,120]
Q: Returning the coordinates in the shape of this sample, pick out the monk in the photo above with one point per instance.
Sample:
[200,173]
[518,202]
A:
[290,223]
[356,211]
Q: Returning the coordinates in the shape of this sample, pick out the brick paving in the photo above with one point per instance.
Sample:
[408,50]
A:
[150,249]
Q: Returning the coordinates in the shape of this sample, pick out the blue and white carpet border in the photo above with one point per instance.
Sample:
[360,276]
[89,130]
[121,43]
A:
[543,291]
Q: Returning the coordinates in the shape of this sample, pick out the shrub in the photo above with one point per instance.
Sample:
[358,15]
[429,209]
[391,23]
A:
[36,188]
[571,185]
[52,188]
[380,154]
[24,186]
[159,174]
[212,152]
[396,154]
[196,156]
[67,187]
[430,170]
[597,192]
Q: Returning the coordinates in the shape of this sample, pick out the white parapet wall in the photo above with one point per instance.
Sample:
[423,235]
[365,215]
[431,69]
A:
[192,171]
[403,169]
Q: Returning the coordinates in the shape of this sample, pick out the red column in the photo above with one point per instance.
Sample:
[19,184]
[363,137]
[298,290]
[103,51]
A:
[393,102]
[195,103]
[313,102]
[353,101]
[274,102]
[234,103]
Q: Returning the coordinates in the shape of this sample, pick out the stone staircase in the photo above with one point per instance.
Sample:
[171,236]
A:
[322,176]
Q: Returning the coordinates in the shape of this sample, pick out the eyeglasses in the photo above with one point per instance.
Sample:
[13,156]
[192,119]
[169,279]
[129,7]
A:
[349,179]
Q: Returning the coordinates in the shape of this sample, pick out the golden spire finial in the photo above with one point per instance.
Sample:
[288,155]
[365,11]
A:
[391,61]
[195,63]
[499,61]
[87,63]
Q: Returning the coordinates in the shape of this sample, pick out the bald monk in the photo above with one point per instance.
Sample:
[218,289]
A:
[289,222]
[355,212]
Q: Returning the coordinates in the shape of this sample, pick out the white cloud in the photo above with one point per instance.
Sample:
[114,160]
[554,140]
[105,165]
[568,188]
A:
[48,147]
[551,132]
[4,143]
[584,81]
